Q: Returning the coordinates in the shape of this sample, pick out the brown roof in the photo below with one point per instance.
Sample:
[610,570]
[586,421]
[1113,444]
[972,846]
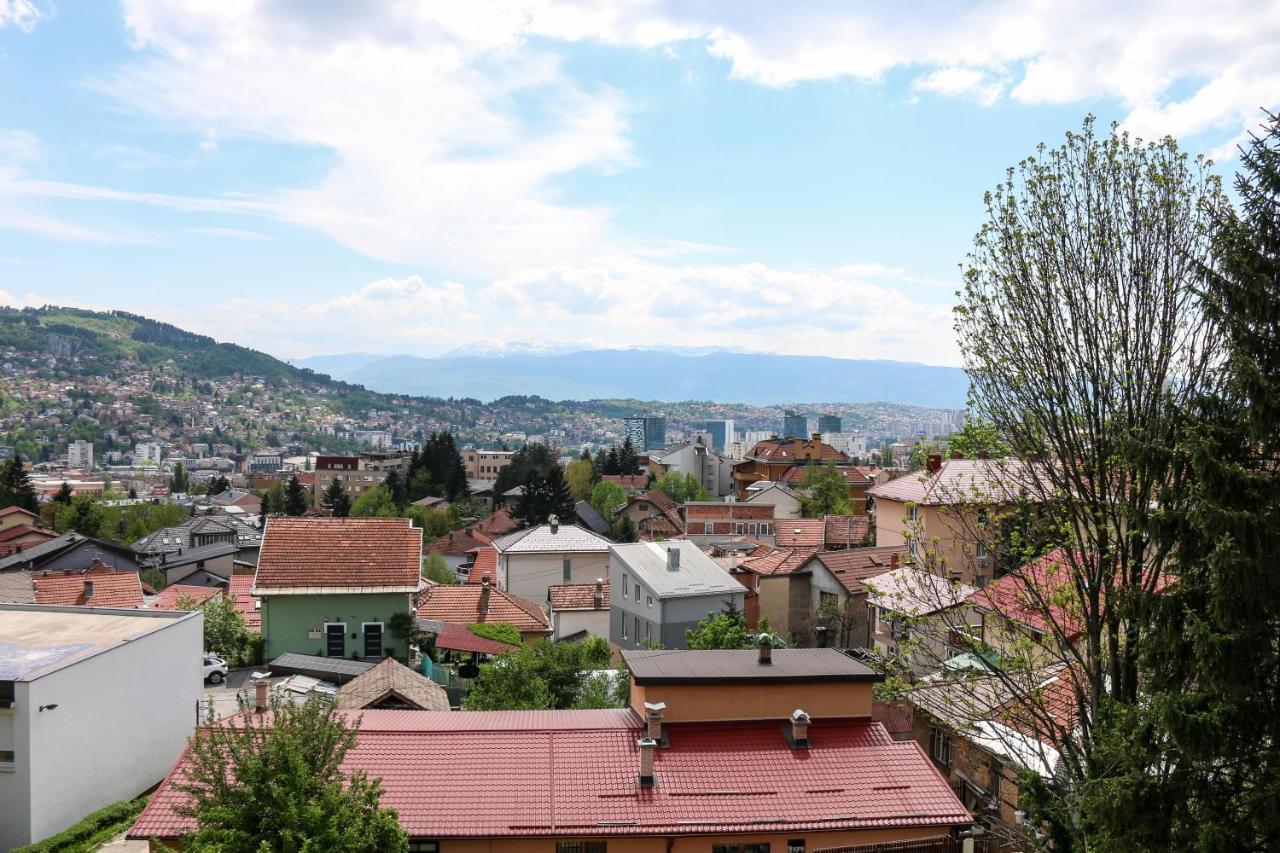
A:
[854,475]
[668,666]
[779,561]
[330,554]
[724,510]
[460,605]
[391,681]
[498,522]
[484,566]
[111,588]
[775,450]
[846,531]
[657,498]
[627,481]
[20,530]
[853,566]
[458,542]
[167,598]
[11,510]
[960,481]
[800,533]
[578,596]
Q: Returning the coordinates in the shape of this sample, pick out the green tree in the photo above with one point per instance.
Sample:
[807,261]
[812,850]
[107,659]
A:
[64,493]
[628,458]
[623,529]
[275,782]
[434,568]
[725,630]
[336,500]
[545,496]
[224,630]
[218,485]
[606,497]
[824,492]
[434,521]
[978,438]
[178,483]
[395,485]
[525,462]
[681,488]
[539,676]
[15,486]
[581,476]
[296,499]
[375,503]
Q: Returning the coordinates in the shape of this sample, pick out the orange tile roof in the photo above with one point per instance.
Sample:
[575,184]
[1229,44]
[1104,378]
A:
[854,475]
[578,596]
[460,605]
[458,542]
[485,565]
[846,531]
[800,533]
[111,588]
[779,561]
[167,598]
[246,603]
[854,565]
[775,450]
[325,554]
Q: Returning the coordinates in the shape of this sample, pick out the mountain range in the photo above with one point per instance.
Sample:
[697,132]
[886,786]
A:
[490,372]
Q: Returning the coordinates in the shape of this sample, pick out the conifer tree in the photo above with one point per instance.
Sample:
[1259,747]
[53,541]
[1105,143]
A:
[15,486]
[64,494]
[295,498]
[337,500]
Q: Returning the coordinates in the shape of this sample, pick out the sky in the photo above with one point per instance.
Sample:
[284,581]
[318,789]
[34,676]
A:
[325,176]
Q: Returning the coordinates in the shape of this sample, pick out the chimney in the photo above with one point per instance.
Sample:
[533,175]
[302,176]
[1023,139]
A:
[673,558]
[554,521]
[893,560]
[599,595]
[653,719]
[88,591]
[821,633]
[647,746]
[733,560]
[953,575]
[799,729]
[484,595]
[260,702]
[766,649]
[934,463]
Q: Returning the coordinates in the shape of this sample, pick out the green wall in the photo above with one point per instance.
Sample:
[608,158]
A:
[286,619]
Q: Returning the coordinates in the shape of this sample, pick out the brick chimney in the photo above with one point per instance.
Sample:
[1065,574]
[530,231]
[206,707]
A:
[934,463]
[653,720]
[598,598]
[673,558]
[260,702]
[484,595]
[554,521]
[766,649]
[799,729]
[647,746]
[893,560]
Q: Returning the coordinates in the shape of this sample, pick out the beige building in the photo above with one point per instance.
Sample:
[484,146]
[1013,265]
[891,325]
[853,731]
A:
[485,464]
[533,560]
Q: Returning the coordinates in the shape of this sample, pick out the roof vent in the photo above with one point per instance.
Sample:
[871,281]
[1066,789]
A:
[799,729]
[673,558]
[766,649]
[647,746]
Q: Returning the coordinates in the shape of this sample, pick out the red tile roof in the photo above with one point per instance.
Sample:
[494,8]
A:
[460,605]
[111,588]
[775,450]
[21,530]
[854,475]
[573,774]
[246,603]
[855,565]
[485,565]
[846,531]
[459,638]
[167,598]
[724,510]
[458,542]
[327,554]
[779,561]
[498,522]
[11,510]
[578,596]
[1033,595]
[628,481]
[800,533]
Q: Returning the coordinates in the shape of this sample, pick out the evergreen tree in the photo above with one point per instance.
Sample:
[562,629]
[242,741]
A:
[623,529]
[64,494]
[178,482]
[628,458]
[525,461]
[559,495]
[296,501]
[396,486]
[824,492]
[336,500]
[612,462]
[15,486]
[218,485]
[601,461]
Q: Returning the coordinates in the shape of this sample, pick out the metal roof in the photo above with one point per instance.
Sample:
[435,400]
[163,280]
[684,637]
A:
[698,574]
[291,662]
[540,540]
[733,666]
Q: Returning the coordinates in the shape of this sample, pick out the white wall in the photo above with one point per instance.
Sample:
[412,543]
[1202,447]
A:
[570,622]
[529,575]
[123,718]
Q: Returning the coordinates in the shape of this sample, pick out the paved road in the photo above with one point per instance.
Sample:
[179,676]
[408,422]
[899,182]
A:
[222,697]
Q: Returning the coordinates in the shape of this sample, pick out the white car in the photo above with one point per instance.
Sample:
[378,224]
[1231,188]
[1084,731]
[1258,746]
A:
[215,668]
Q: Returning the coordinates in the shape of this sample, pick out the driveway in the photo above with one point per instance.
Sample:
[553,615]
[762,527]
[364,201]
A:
[223,697]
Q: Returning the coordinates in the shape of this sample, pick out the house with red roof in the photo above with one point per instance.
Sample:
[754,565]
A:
[248,605]
[579,610]
[772,458]
[719,750]
[97,586]
[329,586]
[483,603]
[654,515]
[174,595]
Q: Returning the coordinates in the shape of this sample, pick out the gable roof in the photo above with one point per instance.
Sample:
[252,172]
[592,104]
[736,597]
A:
[854,565]
[14,510]
[458,638]
[460,604]
[167,598]
[18,530]
[793,450]
[391,680]
[111,588]
[458,542]
[35,556]
[1030,596]
[960,481]
[335,555]
[240,588]
[570,774]
[591,519]
[800,533]
[698,574]
[914,592]
[578,596]
[779,561]
[484,566]
[853,475]
[540,540]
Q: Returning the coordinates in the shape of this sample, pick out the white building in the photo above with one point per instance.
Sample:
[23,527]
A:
[147,453]
[80,454]
[532,560]
[73,681]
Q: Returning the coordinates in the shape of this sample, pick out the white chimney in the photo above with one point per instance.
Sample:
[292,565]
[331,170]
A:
[554,521]
[484,594]
[766,649]
[647,746]
[799,729]
[599,594]
[673,558]
[653,720]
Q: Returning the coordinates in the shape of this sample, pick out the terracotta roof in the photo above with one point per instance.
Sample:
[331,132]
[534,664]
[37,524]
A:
[20,530]
[728,511]
[11,510]
[330,554]
[779,561]
[655,497]
[111,588]
[672,666]
[572,774]
[854,565]
[246,603]
[800,533]
[578,596]
[459,638]
[1032,596]
[959,481]
[167,598]
[846,531]
[460,605]
[485,565]
[853,475]
[628,481]
[391,681]
[774,450]
[498,522]
[458,542]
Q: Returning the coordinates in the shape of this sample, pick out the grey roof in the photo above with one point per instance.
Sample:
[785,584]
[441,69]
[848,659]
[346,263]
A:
[730,666]
[540,540]
[53,547]
[698,574]
[191,555]
[180,535]
[292,662]
[587,515]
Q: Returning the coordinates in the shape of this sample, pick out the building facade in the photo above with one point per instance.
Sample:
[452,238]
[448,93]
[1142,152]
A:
[485,464]
[722,434]
[80,454]
[659,590]
[646,433]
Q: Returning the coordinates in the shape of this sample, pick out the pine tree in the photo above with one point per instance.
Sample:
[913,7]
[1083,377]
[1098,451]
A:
[15,486]
[295,498]
[64,494]
[336,500]
[559,495]
[612,461]
[178,482]
[396,486]
[623,529]
[218,485]
[628,458]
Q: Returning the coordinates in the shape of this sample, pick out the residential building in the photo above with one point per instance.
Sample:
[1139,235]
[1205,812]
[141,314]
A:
[654,514]
[580,610]
[786,502]
[696,457]
[203,531]
[96,586]
[72,681]
[72,550]
[485,464]
[267,463]
[329,586]
[707,521]
[794,424]
[391,685]
[482,603]
[661,589]
[646,433]
[80,454]
[772,458]
[945,513]
[20,529]
[858,478]
[148,453]
[722,434]
[206,565]
[909,603]
[652,778]
[848,627]
[792,590]
[532,560]
[829,423]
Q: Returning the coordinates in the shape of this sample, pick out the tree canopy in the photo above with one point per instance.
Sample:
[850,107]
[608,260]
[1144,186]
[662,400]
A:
[824,492]
[545,675]
[681,487]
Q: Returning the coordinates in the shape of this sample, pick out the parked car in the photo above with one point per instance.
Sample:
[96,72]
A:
[215,668]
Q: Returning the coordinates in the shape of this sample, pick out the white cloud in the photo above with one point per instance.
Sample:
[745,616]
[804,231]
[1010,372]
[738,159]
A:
[18,146]
[232,233]
[956,81]
[22,14]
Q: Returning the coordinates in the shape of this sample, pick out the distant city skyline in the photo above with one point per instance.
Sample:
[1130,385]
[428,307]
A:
[804,179]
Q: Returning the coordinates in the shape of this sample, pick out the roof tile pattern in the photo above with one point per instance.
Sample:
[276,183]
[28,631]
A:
[579,596]
[460,605]
[168,598]
[240,588]
[485,566]
[392,679]
[111,588]
[562,780]
[800,533]
[959,481]
[855,565]
[317,553]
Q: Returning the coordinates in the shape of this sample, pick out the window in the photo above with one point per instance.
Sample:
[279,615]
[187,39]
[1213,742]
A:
[997,776]
[751,529]
[897,629]
[649,598]
[637,627]
[874,616]
[795,845]
[624,626]
[568,568]
[764,528]
[739,528]
[7,759]
[424,847]
[582,847]
[626,590]
[648,631]
[637,593]
[708,528]
[912,514]
[940,746]
[828,601]
[6,694]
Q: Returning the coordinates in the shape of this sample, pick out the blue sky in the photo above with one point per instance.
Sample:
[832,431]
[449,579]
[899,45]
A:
[315,176]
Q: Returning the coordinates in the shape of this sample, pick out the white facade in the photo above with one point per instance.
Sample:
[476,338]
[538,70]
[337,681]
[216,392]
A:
[80,454]
[103,703]
[147,453]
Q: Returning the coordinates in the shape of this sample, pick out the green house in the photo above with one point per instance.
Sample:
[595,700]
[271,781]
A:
[329,586]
